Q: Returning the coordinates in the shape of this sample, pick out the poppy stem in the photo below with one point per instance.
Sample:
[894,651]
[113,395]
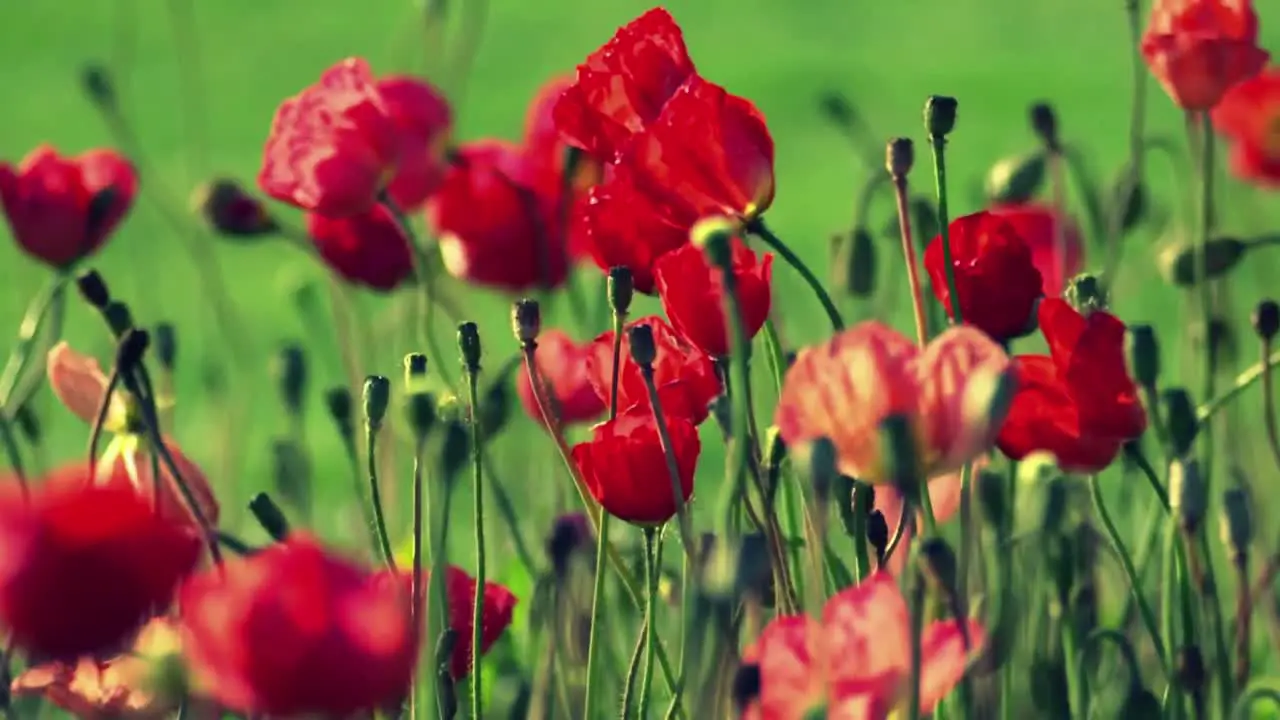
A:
[909,256]
[15,455]
[472,367]
[46,312]
[507,510]
[917,608]
[1260,691]
[673,467]
[438,612]
[1205,286]
[1243,381]
[375,494]
[427,299]
[757,227]
[938,145]
[652,561]
[1134,451]
[1244,617]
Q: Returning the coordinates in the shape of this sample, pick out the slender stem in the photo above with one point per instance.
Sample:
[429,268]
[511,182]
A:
[415,560]
[1243,381]
[48,305]
[1076,698]
[1268,402]
[687,578]
[1135,585]
[1134,451]
[1205,286]
[633,667]
[477,469]
[926,509]
[1169,612]
[15,455]
[1058,198]
[375,497]
[506,508]
[438,612]
[917,590]
[651,559]
[673,466]
[899,532]
[1261,691]
[598,600]
[967,530]
[909,256]
[1244,618]
[427,300]
[939,145]
[758,228]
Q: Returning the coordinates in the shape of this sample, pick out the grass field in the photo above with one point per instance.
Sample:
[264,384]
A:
[995,56]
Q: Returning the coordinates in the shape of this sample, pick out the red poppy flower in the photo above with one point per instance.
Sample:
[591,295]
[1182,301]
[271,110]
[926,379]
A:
[1249,115]
[1198,49]
[296,630]
[85,566]
[563,366]
[340,142]
[685,376]
[543,146]
[624,85]
[1038,225]
[997,280]
[370,248]
[47,198]
[1079,403]
[692,294]
[626,470]
[495,617]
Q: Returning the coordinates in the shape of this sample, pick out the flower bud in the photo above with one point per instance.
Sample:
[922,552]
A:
[621,290]
[900,155]
[1266,319]
[643,349]
[878,533]
[837,109]
[855,266]
[526,320]
[1040,475]
[98,85]
[1188,669]
[822,468]
[569,534]
[899,452]
[1180,416]
[377,395]
[119,318]
[133,345]
[455,451]
[753,570]
[93,289]
[854,501]
[1180,262]
[338,402]
[940,115]
[291,473]
[713,235]
[938,563]
[415,372]
[1015,179]
[1086,294]
[269,516]
[420,411]
[230,211]
[1044,123]
[469,346]
[1237,522]
[746,686]
[1130,193]
[993,497]
[28,424]
[290,370]
[1188,495]
[166,345]
[1144,355]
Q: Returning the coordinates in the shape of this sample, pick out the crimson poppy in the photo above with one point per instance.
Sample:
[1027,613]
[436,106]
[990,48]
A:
[1249,115]
[562,363]
[692,295]
[685,376]
[369,248]
[1199,49]
[995,276]
[495,616]
[1038,225]
[424,120]
[48,199]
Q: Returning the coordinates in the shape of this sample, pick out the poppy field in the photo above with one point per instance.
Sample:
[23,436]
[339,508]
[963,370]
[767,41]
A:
[443,360]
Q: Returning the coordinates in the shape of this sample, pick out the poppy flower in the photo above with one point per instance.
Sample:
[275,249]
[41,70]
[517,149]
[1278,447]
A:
[85,565]
[499,604]
[625,468]
[944,499]
[692,293]
[48,200]
[296,630]
[1249,115]
[369,249]
[843,389]
[562,363]
[1199,49]
[1038,227]
[624,85]
[335,146]
[545,151]
[1079,402]
[995,275]
[855,660]
[685,376]
[79,383]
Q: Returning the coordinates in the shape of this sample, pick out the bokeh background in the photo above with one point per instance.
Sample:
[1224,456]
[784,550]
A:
[199,82]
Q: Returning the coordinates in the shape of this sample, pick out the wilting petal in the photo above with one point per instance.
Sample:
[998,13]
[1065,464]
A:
[963,384]
[79,383]
[945,657]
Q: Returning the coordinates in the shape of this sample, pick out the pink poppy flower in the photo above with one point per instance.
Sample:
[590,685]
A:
[944,496]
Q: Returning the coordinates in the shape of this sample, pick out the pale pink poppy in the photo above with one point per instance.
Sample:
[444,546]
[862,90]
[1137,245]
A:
[944,496]
[855,662]
[951,392]
[78,381]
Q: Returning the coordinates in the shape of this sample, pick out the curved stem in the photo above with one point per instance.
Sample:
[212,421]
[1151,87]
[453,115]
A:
[633,667]
[1140,459]
[1263,690]
[758,228]
[1117,638]
[939,145]
[477,612]
[415,560]
[1243,381]
[375,497]
[898,533]
[909,256]
[1268,403]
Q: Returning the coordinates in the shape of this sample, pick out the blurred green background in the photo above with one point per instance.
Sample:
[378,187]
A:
[995,56]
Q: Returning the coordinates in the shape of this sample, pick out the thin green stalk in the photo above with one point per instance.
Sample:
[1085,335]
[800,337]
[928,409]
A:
[477,612]
[938,145]
[926,509]
[437,597]
[49,304]
[1204,285]
[673,466]
[1140,459]
[1076,699]
[758,228]
[508,512]
[633,667]
[1243,381]
[967,529]
[415,562]
[1213,611]
[652,548]
[1260,691]
[375,497]
[14,454]
[1135,585]
[687,573]
[917,651]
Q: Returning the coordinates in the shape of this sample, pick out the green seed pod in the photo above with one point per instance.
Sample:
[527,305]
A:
[1188,495]
[1086,294]
[269,516]
[1144,355]
[940,115]
[1180,416]
[1015,179]
[1237,522]
[1180,265]
[854,266]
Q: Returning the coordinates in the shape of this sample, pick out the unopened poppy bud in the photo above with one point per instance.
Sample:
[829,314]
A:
[415,372]
[269,516]
[1237,522]
[1266,319]
[900,156]
[713,235]
[526,320]
[133,345]
[746,686]
[569,534]
[93,289]
[938,563]
[643,349]
[621,290]
[290,370]
[822,468]
[291,473]
[1188,668]
[1086,294]
[420,410]
[837,108]
[1131,193]
[455,449]
[857,266]
[119,318]
[1044,123]
[899,452]
[1040,475]
[878,533]
[1015,179]
[338,402]
[940,115]
[1180,416]
[1188,495]
[166,345]
[377,395]
[98,85]
[1180,262]
[1144,355]
[753,570]
[993,497]
[230,211]
[28,424]
[469,346]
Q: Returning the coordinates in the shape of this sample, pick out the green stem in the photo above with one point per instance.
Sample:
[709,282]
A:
[48,305]
[962,575]
[939,145]
[477,612]
[1169,614]
[437,597]
[415,561]
[1205,286]
[1075,691]
[633,668]
[1134,451]
[375,496]
[1135,586]
[650,611]
[1261,691]
[926,509]
[427,300]
[917,651]
[1209,596]
[758,228]
[673,466]
[594,642]
[506,508]
[687,572]
[1243,381]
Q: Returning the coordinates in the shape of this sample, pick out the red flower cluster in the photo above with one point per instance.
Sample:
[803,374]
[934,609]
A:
[692,293]
[1249,115]
[1079,402]
[1057,249]
[1199,49]
[62,209]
